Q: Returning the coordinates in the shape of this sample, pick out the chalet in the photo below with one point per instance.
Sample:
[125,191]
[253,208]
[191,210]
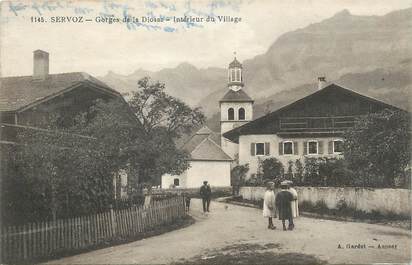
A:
[312,126]
[207,162]
[26,102]
[29,100]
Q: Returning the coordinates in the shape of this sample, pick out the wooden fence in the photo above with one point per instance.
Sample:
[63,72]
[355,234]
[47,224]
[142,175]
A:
[46,239]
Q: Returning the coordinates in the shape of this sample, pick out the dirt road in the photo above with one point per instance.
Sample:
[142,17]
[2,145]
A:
[234,228]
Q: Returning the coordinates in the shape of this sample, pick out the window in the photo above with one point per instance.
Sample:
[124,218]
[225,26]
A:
[238,75]
[176,182]
[233,75]
[260,149]
[241,114]
[231,114]
[313,147]
[288,148]
[337,146]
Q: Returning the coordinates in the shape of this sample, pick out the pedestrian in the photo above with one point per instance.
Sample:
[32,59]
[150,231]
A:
[206,194]
[294,203]
[187,201]
[283,204]
[269,207]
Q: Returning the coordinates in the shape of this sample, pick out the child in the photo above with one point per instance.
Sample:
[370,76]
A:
[187,201]
[269,209]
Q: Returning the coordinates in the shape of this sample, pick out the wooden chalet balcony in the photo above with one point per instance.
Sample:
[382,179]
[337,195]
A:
[9,133]
[316,124]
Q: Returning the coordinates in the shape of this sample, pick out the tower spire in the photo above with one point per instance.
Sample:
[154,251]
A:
[235,74]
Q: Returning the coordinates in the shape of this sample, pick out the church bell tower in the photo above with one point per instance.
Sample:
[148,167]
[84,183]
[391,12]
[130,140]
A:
[236,107]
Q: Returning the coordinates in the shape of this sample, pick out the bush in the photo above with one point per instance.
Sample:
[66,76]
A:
[272,169]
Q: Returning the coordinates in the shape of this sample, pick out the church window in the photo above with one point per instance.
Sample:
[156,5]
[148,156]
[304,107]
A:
[231,114]
[242,114]
[237,75]
[176,182]
[233,75]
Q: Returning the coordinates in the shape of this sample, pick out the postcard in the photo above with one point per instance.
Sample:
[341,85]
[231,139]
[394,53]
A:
[205,132]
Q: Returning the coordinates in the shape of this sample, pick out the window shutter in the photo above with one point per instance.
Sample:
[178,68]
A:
[305,148]
[280,148]
[320,146]
[295,148]
[267,149]
[330,147]
[252,149]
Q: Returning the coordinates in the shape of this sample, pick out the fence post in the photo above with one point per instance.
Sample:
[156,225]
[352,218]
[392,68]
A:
[113,221]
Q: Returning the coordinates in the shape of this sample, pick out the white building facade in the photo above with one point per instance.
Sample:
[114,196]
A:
[310,127]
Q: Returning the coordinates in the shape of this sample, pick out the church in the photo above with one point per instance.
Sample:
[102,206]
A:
[211,155]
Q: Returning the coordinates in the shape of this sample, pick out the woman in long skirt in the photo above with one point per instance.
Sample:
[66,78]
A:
[269,208]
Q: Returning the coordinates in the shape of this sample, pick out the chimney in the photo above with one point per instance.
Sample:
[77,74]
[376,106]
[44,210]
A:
[40,64]
[321,82]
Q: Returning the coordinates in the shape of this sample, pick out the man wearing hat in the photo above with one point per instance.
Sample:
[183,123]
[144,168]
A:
[283,204]
[205,193]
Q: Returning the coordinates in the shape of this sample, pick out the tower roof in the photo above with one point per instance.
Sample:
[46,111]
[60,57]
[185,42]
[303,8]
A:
[236,96]
[235,64]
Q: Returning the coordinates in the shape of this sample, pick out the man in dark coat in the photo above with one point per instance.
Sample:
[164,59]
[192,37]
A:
[206,194]
[283,204]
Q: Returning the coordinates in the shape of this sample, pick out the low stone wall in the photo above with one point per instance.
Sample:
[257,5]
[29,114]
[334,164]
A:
[397,201]
[194,192]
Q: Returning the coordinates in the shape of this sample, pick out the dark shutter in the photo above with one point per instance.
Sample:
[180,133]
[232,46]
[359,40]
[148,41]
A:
[330,147]
[305,148]
[295,148]
[280,148]
[252,149]
[320,146]
[267,149]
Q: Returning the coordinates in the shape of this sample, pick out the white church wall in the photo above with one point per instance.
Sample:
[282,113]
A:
[217,173]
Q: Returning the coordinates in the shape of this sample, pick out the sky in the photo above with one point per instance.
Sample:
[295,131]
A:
[96,47]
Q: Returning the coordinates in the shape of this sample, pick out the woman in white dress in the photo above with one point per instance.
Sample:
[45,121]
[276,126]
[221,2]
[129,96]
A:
[269,208]
[294,203]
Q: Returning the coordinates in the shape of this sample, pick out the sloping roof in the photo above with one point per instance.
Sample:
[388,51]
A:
[235,63]
[18,92]
[236,96]
[209,150]
[269,124]
[201,146]
[204,130]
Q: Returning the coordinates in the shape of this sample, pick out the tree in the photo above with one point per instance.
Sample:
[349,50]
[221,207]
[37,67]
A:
[238,177]
[154,108]
[378,147]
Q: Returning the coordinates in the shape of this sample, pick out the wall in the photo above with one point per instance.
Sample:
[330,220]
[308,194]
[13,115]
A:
[224,106]
[274,140]
[217,173]
[397,201]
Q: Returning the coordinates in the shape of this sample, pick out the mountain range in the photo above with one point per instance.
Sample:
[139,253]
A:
[369,54]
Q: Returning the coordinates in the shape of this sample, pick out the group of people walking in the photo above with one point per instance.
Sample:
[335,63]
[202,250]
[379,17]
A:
[284,204]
